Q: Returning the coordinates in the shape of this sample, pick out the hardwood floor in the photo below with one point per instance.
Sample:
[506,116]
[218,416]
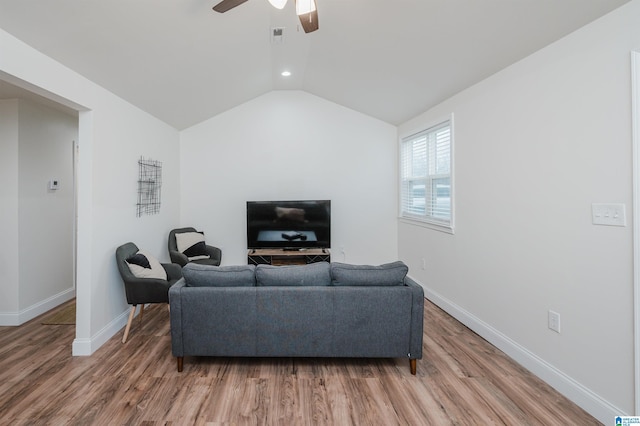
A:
[461,380]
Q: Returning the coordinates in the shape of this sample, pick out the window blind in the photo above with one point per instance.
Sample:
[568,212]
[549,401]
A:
[425,167]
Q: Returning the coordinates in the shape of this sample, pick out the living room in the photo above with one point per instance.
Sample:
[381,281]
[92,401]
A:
[535,145]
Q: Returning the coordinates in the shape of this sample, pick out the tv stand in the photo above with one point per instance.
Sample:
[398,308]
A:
[280,257]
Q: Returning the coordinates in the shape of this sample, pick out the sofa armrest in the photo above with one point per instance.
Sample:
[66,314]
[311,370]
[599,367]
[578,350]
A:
[175,314]
[417,318]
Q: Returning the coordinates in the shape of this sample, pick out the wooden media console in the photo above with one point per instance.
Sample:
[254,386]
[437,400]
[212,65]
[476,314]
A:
[280,257]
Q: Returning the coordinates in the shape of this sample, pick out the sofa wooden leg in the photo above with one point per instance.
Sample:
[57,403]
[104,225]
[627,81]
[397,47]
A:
[180,363]
[128,327]
[413,364]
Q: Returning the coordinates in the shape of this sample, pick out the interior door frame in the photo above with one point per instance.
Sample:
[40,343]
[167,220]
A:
[635,122]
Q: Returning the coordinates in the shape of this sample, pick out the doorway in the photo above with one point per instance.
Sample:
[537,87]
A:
[41,196]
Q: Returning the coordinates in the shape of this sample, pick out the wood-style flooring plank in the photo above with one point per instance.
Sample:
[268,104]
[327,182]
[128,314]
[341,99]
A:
[461,380]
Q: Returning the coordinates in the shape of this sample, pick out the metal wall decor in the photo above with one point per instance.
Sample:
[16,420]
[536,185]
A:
[149,186]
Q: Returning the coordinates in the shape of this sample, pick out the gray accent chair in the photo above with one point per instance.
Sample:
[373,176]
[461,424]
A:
[141,291]
[215,254]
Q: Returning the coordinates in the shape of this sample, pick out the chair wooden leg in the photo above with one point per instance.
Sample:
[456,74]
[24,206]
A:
[141,313]
[413,365]
[128,327]
[180,363]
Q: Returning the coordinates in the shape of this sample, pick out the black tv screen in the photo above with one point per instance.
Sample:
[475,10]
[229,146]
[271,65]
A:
[289,224]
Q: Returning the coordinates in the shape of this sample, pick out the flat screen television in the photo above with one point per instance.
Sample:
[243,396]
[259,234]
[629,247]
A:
[289,224]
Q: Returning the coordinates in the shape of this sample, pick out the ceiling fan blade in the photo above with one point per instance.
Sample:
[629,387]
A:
[225,5]
[309,21]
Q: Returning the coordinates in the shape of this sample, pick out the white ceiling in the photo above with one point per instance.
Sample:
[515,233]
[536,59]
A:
[184,63]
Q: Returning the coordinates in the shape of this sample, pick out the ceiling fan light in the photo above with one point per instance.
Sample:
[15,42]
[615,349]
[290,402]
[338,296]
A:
[304,7]
[278,4]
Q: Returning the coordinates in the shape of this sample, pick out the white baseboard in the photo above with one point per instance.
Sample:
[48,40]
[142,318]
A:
[81,347]
[86,347]
[20,317]
[589,401]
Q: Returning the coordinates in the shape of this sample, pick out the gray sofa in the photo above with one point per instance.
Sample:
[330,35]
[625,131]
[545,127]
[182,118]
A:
[315,310]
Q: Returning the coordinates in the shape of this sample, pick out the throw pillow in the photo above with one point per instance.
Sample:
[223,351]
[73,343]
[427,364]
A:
[143,265]
[314,274]
[389,274]
[192,245]
[196,275]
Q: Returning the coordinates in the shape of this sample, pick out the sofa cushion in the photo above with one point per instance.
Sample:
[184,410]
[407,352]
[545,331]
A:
[389,274]
[192,245]
[144,265]
[314,274]
[196,275]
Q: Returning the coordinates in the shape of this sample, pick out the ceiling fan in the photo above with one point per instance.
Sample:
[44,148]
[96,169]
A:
[305,9]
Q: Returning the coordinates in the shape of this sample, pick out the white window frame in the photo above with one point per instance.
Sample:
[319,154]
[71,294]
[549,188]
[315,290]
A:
[406,178]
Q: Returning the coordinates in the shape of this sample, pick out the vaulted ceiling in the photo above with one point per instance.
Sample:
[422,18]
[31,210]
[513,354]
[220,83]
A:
[184,63]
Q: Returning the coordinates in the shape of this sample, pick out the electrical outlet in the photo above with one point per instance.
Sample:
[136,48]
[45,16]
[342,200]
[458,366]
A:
[554,321]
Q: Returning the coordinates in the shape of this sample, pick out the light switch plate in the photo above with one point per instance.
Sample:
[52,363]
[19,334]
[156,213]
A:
[608,214]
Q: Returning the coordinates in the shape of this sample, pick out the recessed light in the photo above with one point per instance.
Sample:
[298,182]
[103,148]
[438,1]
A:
[278,4]
[285,73]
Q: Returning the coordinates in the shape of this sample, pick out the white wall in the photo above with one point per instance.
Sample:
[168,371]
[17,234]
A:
[113,134]
[9,210]
[46,217]
[292,145]
[535,146]
[115,186]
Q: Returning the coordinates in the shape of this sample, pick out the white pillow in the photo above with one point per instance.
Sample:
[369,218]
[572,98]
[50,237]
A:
[143,265]
[192,245]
